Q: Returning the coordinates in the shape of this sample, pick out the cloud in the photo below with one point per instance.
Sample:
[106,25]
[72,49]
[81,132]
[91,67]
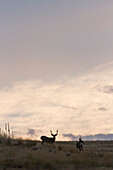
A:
[102,109]
[64,106]
[106,89]
[71,136]
[33,132]
[70,104]
[90,137]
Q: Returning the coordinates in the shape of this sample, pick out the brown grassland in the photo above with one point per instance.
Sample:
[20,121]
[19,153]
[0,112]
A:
[30,155]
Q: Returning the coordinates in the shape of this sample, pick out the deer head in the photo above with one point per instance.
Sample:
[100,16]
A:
[80,139]
[54,134]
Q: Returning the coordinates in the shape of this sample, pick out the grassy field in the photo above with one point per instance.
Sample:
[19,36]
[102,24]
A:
[30,155]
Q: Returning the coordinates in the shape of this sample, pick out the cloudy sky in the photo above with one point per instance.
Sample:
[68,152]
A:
[56,66]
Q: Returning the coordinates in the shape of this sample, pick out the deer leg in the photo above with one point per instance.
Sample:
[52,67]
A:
[42,143]
[82,148]
[79,149]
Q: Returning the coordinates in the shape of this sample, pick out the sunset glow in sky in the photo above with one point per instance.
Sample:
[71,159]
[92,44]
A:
[56,66]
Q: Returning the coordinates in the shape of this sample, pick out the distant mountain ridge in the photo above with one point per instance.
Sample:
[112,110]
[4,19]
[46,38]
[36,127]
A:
[99,136]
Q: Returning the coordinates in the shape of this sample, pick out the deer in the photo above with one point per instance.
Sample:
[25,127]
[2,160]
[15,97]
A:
[49,140]
[79,145]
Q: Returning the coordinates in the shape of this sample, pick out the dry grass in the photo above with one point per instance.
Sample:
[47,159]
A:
[62,156]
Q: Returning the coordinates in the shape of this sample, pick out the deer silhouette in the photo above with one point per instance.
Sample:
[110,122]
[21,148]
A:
[79,145]
[49,140]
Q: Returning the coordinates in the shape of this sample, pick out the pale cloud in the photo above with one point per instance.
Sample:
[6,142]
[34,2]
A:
[71,105]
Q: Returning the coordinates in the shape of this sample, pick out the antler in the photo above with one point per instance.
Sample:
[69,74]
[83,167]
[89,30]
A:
[53,134]
[51,131]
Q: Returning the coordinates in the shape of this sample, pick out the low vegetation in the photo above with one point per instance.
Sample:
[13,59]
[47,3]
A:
[31,155]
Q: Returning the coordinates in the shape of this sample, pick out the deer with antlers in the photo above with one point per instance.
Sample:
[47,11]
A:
[48,139]
[79,144]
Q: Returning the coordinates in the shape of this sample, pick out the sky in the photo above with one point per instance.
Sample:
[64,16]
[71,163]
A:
[56,67]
